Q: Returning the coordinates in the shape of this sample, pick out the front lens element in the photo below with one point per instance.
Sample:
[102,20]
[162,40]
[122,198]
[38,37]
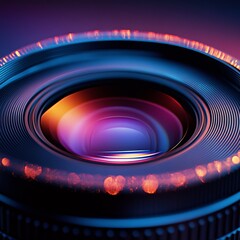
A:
[102,125]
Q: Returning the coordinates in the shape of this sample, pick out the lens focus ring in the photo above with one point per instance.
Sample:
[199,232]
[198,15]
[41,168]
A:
[224,223]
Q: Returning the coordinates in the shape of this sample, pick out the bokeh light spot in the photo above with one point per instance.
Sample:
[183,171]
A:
[150,184]
[114,184]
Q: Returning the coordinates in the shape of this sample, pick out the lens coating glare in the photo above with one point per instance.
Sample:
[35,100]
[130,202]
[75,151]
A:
[104,124]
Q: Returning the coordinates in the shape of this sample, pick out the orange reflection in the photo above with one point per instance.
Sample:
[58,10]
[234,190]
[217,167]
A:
[235,160]
[56,39]
[96,33]
[17,53]
[128,34]
[32,171]
[66,110]
[5,162]
[73,178]
[114,184]
[40,45]
[70,36]
[150,184]
[201,172]
[218,166]
[178,179]
[125,33]
[151,35]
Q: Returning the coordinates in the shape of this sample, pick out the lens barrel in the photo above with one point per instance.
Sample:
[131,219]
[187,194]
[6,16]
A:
[119,135]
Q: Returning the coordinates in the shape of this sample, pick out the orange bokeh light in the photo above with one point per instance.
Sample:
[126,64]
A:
[218,166]
[178,179]
[32,171]
[201,172]
[235,160]
[114,184]
[18,53]
[150,184]
[5,162]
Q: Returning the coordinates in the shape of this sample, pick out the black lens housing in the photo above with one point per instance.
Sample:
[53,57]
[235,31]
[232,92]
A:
[189,192]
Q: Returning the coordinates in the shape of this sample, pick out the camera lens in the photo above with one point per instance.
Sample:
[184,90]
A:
[109,124]
[119,135]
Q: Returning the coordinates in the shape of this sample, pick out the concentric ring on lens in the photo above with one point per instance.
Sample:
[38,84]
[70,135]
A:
[107,123]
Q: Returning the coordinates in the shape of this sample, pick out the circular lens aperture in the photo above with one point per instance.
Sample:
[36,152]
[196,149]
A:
[110,125]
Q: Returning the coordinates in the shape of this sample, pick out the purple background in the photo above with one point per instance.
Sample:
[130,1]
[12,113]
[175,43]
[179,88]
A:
[215,23]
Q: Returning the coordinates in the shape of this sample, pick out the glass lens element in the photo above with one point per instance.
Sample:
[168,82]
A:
[114,129]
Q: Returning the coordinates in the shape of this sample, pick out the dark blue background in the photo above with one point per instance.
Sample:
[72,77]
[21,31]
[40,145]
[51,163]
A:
[216,23]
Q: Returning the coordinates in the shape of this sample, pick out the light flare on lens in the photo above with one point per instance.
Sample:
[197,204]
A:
[5,162]
[99,124]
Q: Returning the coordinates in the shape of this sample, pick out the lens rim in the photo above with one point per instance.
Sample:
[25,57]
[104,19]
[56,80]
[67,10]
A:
[193,113]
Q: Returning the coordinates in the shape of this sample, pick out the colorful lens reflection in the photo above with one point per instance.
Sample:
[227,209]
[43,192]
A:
[106,124]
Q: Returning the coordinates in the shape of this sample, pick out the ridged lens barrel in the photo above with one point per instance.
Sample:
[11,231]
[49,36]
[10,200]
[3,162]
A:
[119,135]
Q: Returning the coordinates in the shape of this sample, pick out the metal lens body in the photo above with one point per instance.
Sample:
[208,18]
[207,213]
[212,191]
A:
[119,135]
